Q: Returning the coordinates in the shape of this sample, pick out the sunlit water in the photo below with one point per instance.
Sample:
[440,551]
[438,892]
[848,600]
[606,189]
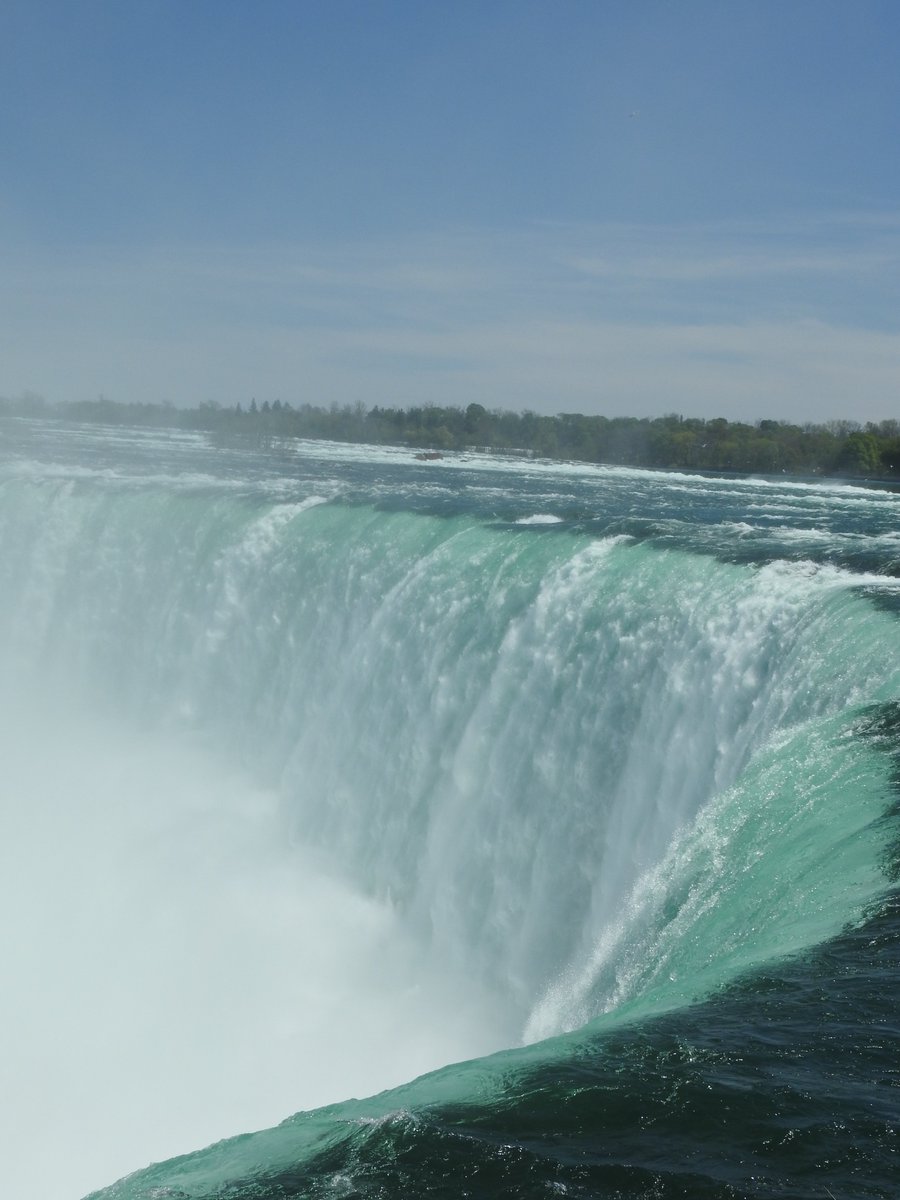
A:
[324,768]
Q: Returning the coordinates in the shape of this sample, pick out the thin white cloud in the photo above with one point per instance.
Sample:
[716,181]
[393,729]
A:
[687,267]
[605,319]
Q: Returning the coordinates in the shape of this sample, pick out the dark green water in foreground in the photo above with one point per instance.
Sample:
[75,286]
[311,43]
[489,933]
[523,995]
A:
[618,752]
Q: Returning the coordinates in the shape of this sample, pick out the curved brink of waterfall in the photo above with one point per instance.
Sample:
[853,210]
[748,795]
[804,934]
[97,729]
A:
[597,777]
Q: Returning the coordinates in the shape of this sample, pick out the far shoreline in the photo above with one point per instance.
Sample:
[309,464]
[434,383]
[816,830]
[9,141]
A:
[844,452]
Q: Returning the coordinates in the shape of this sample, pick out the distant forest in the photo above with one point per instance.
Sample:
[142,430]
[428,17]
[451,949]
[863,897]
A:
[847,448]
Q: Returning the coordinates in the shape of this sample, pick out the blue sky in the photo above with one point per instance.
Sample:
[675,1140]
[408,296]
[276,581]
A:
[620,207]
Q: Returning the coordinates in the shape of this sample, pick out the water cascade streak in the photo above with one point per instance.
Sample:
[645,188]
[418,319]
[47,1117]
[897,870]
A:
[595,778]
[451,712]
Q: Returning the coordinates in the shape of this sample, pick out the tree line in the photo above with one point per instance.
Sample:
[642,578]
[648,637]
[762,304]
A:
[671,442]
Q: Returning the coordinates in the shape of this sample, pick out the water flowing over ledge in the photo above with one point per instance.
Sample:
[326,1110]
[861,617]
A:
[354,769]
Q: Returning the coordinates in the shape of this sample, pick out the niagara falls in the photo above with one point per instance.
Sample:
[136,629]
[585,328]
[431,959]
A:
[469,789]
[449,599]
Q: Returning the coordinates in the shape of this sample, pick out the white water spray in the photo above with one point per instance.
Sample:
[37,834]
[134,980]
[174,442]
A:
[482,742]
[174,972]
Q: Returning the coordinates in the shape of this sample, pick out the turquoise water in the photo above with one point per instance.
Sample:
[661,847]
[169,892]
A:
[396,765]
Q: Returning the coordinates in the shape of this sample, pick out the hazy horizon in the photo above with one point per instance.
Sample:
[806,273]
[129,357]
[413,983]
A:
[570,207]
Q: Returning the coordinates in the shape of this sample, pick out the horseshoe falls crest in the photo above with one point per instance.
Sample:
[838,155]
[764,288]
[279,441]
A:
[552,808]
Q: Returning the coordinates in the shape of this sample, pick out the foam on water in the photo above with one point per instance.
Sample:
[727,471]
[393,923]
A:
[354,791]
